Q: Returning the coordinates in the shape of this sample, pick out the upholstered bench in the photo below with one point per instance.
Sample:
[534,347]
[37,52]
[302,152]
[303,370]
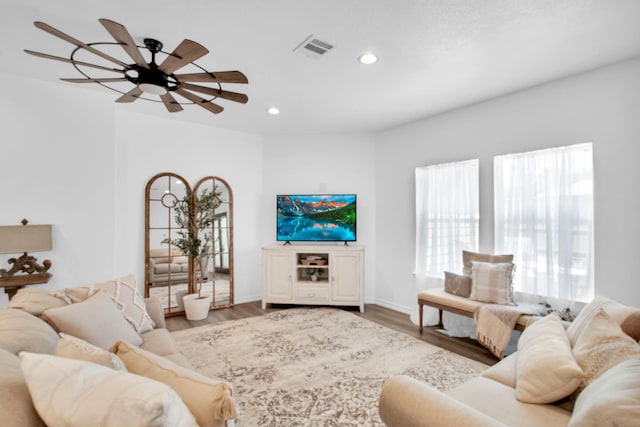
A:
[442,300]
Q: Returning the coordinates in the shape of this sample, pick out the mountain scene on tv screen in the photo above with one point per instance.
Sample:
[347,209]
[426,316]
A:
[317,217]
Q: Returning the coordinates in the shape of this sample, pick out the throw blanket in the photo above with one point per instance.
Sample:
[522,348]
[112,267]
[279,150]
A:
[495,322]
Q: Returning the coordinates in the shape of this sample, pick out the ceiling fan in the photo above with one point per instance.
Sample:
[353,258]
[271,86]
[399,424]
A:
[150,77]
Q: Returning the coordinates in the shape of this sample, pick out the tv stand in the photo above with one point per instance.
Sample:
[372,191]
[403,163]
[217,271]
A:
[287,279]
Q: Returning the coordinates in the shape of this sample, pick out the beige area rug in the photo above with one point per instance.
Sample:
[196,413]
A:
[315,366]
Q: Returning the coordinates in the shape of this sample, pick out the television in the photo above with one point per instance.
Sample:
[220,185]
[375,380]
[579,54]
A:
[316,218]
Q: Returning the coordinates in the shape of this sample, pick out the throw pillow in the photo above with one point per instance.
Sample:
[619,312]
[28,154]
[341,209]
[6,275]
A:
[207,399]
[546,369]
[68,392]
[613,399]
[627,317]
[35,301]
[75,348]
[457,284]
[491,282]
[601,345]
[96,320]
[468,257]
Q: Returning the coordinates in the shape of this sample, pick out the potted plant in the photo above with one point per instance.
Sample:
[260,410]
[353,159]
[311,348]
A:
[313,273]
[194,216]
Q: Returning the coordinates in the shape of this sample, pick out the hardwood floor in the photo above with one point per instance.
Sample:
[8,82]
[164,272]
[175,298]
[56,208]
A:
[375,313]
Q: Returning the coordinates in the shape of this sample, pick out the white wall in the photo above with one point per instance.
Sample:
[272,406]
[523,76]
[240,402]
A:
[600,106]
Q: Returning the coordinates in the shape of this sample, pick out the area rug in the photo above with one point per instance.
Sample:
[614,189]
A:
[320,367]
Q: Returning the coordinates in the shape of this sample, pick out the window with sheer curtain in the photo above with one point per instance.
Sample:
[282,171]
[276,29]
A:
[543,213]
[447,215]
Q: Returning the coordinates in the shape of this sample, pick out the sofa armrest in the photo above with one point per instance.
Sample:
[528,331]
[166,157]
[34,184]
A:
[406,402]
[155,310]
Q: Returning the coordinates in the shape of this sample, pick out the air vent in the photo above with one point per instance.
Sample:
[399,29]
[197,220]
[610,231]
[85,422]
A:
[313,47]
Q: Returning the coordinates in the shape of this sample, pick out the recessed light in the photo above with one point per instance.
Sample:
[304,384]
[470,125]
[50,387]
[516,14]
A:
[273,111]
[367,58]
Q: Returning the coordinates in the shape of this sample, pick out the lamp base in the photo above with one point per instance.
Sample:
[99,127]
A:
[26,264]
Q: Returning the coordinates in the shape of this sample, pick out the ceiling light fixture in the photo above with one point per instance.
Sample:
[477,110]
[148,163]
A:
[274,111]
[368,58]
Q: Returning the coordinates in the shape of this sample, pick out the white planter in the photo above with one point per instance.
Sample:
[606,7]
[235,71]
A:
[197,308]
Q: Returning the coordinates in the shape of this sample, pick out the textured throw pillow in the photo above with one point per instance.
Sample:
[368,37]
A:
[35,301]
[601,345]
[207,399]
[75,348]
[468,257]
[613,399]
[71,393]
[627,317]
[96,320]
[457,284]
[491,282]
[546,369]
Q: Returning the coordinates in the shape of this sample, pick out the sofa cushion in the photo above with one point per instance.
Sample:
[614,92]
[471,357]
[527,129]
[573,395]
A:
[78,393]
[35,301]
[627,317]
[611,399]
[75,348]
[468,257]
[96,320]
[504,371]
[601,345]
[208,399]
[457,284]
[492,282]
[15,402]
[497,401]
[546,370]
[159,341]
[20,331]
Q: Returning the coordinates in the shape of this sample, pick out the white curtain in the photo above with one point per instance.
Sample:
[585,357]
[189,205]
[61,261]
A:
[543,213]
[447,216]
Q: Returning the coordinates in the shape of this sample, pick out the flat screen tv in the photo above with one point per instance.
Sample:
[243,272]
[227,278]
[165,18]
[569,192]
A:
[316,217]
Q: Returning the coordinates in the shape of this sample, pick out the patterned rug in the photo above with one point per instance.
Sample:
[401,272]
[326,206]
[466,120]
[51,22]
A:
[315,366]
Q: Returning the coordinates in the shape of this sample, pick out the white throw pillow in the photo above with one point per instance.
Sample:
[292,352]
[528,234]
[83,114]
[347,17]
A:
[626,316]
[492,282]
[75,348]
[546,369]
[613,399]
[96,320]
[68,392]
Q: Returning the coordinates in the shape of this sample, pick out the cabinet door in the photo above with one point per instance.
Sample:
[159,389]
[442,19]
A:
[278,270]
[345,277]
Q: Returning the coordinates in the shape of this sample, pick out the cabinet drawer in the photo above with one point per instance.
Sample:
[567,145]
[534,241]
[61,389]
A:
[312,293]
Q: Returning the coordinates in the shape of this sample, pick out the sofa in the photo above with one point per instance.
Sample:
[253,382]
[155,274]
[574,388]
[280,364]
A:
[163,262]
[68,357]
[583,374]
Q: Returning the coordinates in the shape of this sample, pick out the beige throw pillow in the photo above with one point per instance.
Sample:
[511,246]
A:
[546,368]
[627,317]
[457,284]
[602,345]
[613,399]
[68,392]
[75,348]
[207,399]
[491,282]
[467,257]
[96,320]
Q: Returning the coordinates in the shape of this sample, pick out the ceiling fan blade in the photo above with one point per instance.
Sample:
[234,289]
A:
[186,52]
[61,59]
[130,96]
[122,36]
[171,103]
[49,29]
[217,77]
[208,105]
[231,96]
[103,80]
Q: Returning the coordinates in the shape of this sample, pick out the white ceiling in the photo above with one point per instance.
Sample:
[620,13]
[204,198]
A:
[434,55]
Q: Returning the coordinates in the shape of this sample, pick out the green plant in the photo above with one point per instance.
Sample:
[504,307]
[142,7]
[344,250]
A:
[313,271]
[194,217]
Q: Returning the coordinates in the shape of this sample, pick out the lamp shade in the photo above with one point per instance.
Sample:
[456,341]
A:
[25,238]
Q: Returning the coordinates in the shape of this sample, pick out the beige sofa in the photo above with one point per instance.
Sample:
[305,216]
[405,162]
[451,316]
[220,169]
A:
[165,266]
[23,329]
[585,375]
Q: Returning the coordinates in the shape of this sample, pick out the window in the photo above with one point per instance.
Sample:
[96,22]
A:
[447,215]
[544,216]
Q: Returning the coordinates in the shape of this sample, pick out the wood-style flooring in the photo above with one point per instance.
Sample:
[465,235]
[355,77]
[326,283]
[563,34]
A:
[375,313]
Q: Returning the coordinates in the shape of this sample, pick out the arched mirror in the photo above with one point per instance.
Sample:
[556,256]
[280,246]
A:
[217,278]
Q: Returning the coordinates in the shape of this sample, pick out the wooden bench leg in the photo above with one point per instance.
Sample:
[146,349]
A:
[420,305]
